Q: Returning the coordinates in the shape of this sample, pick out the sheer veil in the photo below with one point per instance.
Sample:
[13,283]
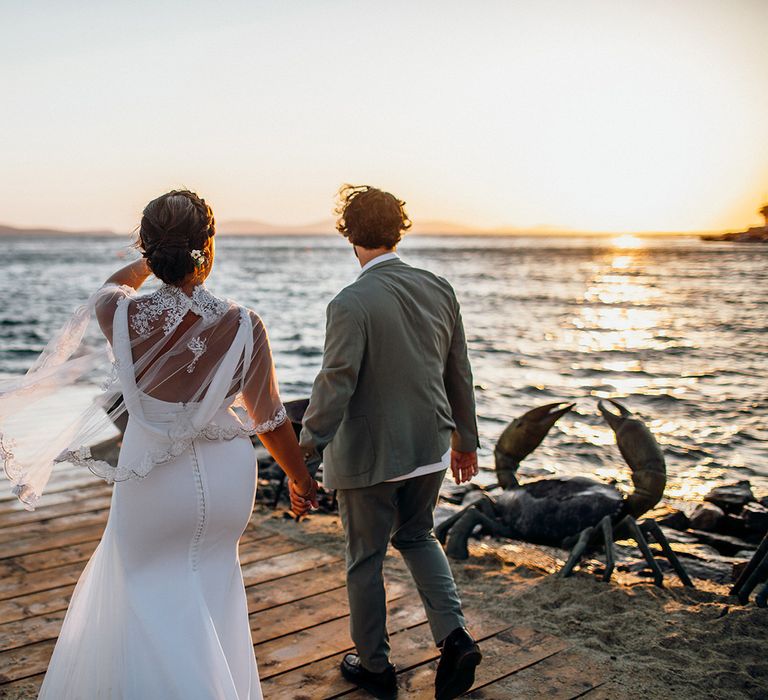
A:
[177,363]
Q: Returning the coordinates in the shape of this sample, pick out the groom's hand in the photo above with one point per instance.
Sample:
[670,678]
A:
[463,465]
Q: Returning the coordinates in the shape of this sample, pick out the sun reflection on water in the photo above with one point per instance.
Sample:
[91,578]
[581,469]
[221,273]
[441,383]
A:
[622,309]
[627,241]
[621,262]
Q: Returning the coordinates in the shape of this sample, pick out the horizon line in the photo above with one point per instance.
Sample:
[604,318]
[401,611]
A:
[431,228]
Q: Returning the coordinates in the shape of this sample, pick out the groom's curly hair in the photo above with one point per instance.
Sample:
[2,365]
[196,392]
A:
[369,217]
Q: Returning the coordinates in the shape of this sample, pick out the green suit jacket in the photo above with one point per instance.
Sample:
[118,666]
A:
[395,389]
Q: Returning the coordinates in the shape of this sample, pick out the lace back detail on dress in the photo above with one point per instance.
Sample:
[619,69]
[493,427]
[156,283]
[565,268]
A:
[172,302]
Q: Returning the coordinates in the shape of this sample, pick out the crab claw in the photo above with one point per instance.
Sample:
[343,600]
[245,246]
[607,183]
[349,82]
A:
[522,436]
[610,417]
[642,454]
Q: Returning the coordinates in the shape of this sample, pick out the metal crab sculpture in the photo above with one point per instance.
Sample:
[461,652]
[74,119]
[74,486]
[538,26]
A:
[576,513]
[754,574]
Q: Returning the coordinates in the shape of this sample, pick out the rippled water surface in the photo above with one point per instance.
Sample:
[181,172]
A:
[674,327]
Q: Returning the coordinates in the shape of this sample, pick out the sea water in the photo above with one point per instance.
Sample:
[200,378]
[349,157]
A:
[672,327]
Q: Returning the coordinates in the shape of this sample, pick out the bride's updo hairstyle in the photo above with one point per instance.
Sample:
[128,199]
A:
[172,226]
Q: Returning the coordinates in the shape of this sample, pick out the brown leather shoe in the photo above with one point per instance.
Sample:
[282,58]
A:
[458,661]
[381,685]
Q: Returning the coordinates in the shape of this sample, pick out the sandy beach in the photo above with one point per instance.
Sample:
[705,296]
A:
[658,643]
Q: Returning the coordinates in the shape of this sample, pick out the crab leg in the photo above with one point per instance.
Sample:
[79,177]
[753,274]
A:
[442,530]
[461,531]
[642,543]
[610,562]
[757,557]
[762,597]
[577,552]
[485,505]
[758,575]
[652,528]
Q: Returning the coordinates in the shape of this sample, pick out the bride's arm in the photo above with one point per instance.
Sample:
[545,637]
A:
[282,444]
[132,275]
[261,396]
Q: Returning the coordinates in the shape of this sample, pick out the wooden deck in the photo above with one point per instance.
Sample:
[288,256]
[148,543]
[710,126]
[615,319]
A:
[297,604]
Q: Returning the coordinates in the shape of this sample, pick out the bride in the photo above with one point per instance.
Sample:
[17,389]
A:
[160,610]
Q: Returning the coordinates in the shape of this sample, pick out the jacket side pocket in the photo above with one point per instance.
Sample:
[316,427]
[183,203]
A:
[351,450]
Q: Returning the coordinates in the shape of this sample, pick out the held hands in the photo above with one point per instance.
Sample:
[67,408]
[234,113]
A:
[463,465]
[303,495]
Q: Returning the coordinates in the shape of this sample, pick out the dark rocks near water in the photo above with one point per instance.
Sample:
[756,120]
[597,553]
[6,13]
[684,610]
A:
[725,544]
[731,497]
[720,532]
[674,519]
[707,517]
[755,516]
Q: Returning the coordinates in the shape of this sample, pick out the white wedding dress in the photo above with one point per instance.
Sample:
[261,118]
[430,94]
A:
[160,610]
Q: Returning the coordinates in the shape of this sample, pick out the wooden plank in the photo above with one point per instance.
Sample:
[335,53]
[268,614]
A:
[45,513]
[50,559]
[285,565]
[28,660]
[31,630]
[14,506]
[36,543]
[330,638]
[266,548]
[24,689]
[563,676]
[262,596]
[11,586]
[307,612]
[54,525]
[40,603]
[410,648]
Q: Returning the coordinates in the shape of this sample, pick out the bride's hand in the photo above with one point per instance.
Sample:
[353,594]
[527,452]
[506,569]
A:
[133,274]
[303,496]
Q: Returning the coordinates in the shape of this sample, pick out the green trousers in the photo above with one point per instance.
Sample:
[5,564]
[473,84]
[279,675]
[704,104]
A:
[402,511]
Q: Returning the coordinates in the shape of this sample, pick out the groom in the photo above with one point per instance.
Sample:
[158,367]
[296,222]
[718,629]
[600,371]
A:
[392,408]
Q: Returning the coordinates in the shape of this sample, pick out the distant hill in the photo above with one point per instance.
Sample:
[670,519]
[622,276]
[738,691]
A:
[13,231]
[433,227]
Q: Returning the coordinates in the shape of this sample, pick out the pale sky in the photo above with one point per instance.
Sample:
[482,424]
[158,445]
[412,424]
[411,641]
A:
[607,115]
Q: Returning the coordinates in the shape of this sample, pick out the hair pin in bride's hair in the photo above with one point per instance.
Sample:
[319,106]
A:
[198,257]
